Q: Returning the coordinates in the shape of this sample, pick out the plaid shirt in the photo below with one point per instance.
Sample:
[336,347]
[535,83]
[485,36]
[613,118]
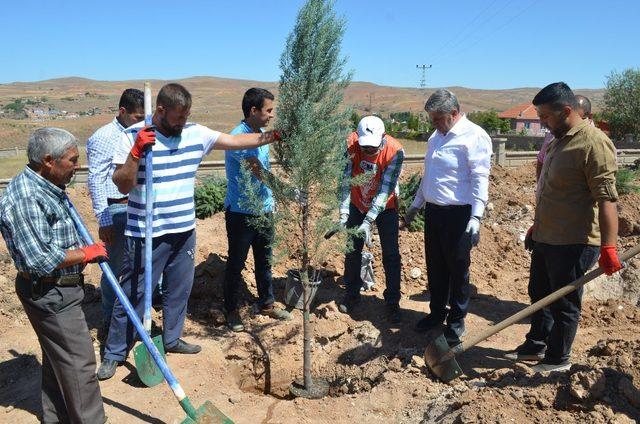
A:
[100,147]
[36,225]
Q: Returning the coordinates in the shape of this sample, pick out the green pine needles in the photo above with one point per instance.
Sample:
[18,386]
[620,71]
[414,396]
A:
[315,127]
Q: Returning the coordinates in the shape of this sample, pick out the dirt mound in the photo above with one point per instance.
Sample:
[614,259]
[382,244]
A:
[600,391]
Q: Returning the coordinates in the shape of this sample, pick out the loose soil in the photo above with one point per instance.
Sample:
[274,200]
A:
[376,370]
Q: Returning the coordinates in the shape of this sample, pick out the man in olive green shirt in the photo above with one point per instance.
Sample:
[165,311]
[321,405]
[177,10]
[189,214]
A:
[575,216]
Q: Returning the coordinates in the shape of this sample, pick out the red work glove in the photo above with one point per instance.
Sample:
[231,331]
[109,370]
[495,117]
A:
[609,261]
[146,137]
[277,135]
[94,253]
[528,240]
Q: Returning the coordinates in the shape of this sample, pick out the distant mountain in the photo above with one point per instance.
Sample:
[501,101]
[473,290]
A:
[217,101]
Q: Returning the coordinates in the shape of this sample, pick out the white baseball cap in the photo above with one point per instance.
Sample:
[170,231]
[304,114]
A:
[370,131]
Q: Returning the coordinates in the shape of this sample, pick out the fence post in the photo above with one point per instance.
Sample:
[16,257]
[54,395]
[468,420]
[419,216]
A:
[499,151]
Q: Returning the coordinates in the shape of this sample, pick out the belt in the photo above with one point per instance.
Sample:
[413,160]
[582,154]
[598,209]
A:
[445,207]
[63,280]
[122,200]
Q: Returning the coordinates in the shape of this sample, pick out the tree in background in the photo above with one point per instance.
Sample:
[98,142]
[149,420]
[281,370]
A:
[314,129]
[490,121]
[622,103]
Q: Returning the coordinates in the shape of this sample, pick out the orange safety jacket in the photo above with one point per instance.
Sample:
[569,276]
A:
[362,195]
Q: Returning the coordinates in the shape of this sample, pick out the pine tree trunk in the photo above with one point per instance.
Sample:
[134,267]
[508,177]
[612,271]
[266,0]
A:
[304,278]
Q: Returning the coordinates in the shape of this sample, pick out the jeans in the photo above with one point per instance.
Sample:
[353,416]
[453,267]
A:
[448,256]
[387,223]
[173,259]
[553,267]
[241,235]
[116,254]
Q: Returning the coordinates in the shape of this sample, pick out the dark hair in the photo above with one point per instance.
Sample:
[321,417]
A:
[556,95]
[132,99]
[254,97]
[585,104]
[173,95]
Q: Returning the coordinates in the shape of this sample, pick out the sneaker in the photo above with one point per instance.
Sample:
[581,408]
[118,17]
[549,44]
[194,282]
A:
[234,322]
[394,314]
[348,304]
[428,323]
[527,351]
[107,369]
[183,347]
[276,313]
[544,367]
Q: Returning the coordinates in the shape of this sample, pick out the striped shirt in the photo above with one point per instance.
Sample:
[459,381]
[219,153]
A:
[36,225]
[100,156]
[175,162]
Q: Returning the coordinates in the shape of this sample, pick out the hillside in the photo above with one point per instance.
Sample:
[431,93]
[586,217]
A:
[89,104]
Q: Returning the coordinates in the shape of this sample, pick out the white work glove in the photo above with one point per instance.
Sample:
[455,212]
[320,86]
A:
[409,216]
[344,217]
[365,228]
[473,230]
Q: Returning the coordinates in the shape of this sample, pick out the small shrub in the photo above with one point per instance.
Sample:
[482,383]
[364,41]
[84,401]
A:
[209,196]
[407,194]
[625,179]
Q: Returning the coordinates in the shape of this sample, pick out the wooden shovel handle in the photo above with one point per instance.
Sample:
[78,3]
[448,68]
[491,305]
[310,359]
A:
[546,301]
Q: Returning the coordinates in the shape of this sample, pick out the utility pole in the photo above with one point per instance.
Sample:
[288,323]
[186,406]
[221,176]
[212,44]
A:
[371,96]
[423,79]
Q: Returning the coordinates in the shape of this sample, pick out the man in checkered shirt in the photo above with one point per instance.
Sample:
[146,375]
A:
[45,246]
[109,205]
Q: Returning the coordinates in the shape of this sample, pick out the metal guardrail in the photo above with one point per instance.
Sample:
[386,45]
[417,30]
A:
[512,159]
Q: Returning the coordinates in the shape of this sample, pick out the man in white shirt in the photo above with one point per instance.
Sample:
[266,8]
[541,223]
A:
[454,192]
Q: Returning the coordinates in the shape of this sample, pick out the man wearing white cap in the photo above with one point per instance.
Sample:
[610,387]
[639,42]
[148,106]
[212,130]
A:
[373,152]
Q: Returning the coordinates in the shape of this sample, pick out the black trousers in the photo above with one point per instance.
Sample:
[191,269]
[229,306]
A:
[70,391]
[448,255]
[241,235]
[553,267]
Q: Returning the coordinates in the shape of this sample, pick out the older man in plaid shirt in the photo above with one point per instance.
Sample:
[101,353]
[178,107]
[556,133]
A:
[45,246]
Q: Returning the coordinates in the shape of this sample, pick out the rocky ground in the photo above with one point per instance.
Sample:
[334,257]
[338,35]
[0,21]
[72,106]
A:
[376,370]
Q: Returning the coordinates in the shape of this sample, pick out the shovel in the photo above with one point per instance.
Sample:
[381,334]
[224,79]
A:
[205,414]
[148,371]
[441,359]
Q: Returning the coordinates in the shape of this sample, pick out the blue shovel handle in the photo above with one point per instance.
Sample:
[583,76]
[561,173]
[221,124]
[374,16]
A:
[131,313]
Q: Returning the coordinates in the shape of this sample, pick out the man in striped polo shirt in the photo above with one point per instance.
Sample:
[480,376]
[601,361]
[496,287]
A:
[178,149]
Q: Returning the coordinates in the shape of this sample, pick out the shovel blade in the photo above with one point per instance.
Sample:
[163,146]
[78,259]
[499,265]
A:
[208,414]
[440,361]
[148,371]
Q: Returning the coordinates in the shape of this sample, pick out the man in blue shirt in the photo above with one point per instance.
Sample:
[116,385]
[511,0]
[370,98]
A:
[257,106]
[109,205]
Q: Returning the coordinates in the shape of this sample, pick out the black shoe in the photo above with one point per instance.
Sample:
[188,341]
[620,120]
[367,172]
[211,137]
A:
[183,347]
[527,351]
[234,321]
[107,369]
[428,323]
[348,304]
[453,333]
[394,315]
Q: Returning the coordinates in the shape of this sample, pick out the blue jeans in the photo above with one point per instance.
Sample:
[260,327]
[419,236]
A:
[387,223]
[116,254]
[241,235]
[173,259]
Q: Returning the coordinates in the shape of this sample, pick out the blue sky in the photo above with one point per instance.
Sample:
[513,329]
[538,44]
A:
[478,44]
